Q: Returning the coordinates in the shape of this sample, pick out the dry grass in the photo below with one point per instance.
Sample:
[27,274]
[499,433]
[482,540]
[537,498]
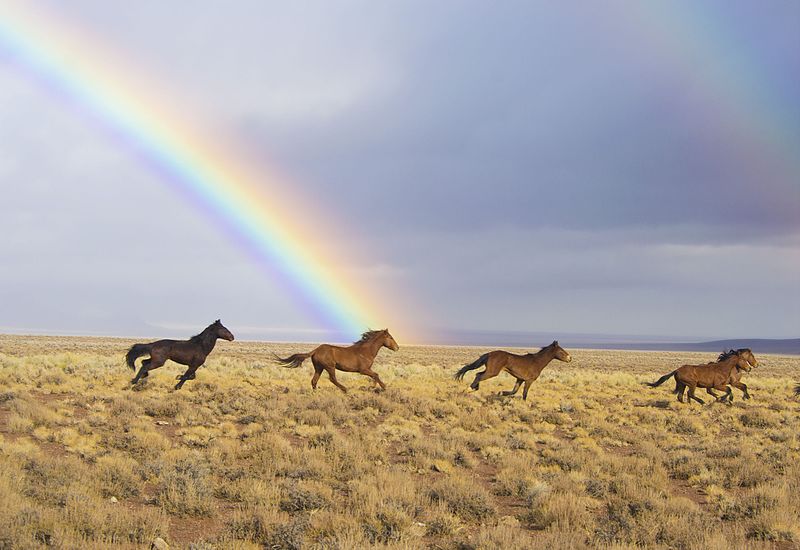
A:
[247,456]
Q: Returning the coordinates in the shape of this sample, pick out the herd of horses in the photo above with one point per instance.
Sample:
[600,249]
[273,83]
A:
[359,357]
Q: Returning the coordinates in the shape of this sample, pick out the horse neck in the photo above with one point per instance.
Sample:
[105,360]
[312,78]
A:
[372,347]
[208,340]
[732,364]
[543,357]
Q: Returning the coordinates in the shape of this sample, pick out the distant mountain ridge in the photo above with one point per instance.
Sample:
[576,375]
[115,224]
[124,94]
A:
[788,346]
[534,340]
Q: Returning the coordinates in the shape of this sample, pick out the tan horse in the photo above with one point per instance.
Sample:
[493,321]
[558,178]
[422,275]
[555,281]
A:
[525,368]
[356,358]
[710,376]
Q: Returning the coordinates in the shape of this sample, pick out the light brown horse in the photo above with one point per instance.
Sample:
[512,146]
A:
[191,352]
[525,368]
[737,374]
[711,376]
[356,358]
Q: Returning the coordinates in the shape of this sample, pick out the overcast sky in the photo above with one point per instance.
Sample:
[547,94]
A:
[563,167]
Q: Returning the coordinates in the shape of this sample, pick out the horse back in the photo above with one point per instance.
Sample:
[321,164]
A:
[704,376]
[184,352]
[328,354]
[522,366]
[163,343]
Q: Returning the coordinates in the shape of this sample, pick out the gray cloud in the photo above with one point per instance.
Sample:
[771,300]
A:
[521,166]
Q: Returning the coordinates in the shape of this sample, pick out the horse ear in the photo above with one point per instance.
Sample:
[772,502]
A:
[555,342]
[218,322]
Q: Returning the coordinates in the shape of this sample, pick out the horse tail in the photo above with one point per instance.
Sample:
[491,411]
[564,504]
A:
[661,380]
[472,366]
[136,351]
[293,361]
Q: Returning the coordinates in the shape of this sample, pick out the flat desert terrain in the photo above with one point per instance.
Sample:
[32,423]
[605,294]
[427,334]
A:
[248,456]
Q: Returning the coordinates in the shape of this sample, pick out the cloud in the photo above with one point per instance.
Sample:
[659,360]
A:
[510,166]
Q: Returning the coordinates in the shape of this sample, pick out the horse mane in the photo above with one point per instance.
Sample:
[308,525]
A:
[730,353]
[548,346]
[369,335]
[203,335]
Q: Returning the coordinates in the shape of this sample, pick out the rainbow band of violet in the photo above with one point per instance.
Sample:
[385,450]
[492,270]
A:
[55,55]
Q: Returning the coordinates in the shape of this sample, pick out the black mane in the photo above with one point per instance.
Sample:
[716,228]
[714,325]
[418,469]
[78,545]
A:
[203,335]
[730,353]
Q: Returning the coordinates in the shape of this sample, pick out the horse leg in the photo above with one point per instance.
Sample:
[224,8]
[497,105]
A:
[743,387]
[315,378]
[712,393]
[525,389]
[476,383]
[516,388]
[375,378]
[188,375]
[481,376]
[693,396]
[680,387]
[144,370]
[139,375]
[332,376]
[728,395]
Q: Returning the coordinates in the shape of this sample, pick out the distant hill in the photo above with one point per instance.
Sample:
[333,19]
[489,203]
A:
[789,346]
[533,340]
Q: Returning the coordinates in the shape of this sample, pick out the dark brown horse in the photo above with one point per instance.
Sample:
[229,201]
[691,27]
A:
[191,352]
[711,376]
[356,358]
[525,368]
[737,374]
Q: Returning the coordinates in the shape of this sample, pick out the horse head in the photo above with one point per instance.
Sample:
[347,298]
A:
[748,356]
[388,340]
[742,362]
[561,353]
[221,332]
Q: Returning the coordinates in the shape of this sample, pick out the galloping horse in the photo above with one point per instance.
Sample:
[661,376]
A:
[526,368]
[711,376]
[356,358]
[191,352]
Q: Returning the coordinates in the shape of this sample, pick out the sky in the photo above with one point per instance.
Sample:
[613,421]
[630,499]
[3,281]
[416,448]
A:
[604,168]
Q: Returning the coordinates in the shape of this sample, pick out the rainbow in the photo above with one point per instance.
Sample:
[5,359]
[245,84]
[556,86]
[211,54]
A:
[696,52]
[59,56]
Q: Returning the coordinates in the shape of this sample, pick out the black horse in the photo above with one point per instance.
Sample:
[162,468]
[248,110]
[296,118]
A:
[191,352]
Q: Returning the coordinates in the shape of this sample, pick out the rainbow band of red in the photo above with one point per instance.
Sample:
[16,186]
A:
[65,60]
